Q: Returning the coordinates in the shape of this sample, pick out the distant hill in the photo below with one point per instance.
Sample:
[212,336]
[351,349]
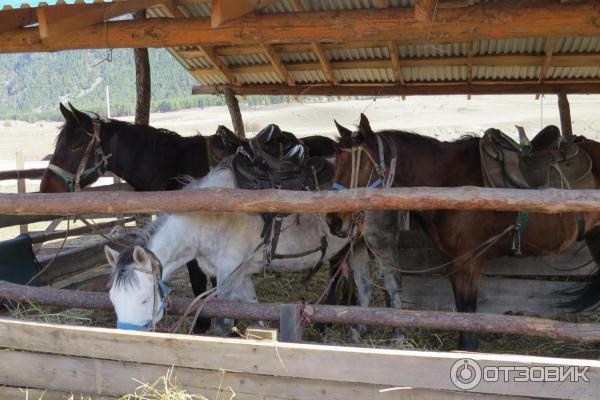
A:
[33,84]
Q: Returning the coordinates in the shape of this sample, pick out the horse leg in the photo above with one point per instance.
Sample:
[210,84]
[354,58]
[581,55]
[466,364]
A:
[359,261]
[465,279]
[198,281]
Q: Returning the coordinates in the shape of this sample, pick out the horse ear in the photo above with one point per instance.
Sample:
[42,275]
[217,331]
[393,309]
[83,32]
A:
[69,117]
[112,256]
[364,126]
[82,117]
[344,132]
[141,257]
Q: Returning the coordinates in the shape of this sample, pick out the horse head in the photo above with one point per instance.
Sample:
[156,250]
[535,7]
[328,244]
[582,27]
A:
[78,159]
[355,166]
[137,290]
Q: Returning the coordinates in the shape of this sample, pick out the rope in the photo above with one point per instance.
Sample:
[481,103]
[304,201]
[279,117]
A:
[62,245]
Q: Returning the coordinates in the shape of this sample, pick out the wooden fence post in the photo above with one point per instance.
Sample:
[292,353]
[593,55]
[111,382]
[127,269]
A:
[21,184]
[290,327]
[234,111]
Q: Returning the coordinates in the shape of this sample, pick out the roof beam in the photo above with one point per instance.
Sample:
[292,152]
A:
[395,59]
[457,88]
[298,6]
[277,64]
[15,19]
[424,10]
[56,21]
[171,8]
[488,20]
[324,61]
[547,59]
[215,60]
[224,11]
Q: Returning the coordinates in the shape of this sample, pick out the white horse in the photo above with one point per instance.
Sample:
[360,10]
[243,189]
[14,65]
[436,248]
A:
[227,245]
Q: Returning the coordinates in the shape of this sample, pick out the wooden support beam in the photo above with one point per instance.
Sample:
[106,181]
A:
[234,112]
[15,19]
[547,59]
[143,84]
[564,110]
[238,200]
[324,61]
[424,10]
[395,59]
[171,8]
[486,20]
[220,65]
[277,64]
[56,21]
[298,6]
[381,3]
[224,11]
[418,89]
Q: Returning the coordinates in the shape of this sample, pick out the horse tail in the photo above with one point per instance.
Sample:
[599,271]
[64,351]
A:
[586,295]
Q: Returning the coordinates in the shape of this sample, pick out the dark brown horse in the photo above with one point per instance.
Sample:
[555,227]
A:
[424,161]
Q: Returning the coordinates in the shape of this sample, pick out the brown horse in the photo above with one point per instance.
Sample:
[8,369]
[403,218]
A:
[424,161]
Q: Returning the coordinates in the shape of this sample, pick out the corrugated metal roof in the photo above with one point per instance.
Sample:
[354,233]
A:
[383,74]
[8,4]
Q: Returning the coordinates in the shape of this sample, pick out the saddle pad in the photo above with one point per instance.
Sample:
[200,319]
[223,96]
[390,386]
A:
[17,261]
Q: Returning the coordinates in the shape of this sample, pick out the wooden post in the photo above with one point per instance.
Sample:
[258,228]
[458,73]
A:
[234,111]
[142,80]
[290,329]
[21,184]
[565,115]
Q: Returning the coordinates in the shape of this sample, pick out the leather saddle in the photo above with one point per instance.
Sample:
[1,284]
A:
[545,162]
[276,159]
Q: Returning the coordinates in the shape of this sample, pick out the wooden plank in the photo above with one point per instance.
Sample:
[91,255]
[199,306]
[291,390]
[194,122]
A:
[420,89]
[496,295]
[272,200]
[290,326]
[41,237]
[424,10]
[486,20]
[35,173]
[12,220]
[420,369]
[224,11]
[324,62]
[277,64]
[73,261]
[20,393]
[218,63]
[395,59]
[92,376]
[564,110]
[17,18]
[234,112]
[547,59]
[21,185]
[59,20]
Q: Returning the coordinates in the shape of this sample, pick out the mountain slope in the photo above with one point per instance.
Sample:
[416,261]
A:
[33,84]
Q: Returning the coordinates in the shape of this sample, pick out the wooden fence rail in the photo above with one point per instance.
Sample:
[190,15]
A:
[34,173]
[584,332]
[41,237]
[221,199]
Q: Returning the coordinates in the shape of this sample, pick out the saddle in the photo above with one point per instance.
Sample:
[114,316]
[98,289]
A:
[276,159]
[545,162]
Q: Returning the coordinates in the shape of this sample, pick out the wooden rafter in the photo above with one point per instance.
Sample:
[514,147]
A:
[486,20]
[324,61]
[395,59]
[470,51]
[424,10]
[435,88]
[572,60]
[277,64]
[215,60]
[298,6]
[15,19]
[547,59]
[171,8]
[381,3]
[56,21]
[224,11]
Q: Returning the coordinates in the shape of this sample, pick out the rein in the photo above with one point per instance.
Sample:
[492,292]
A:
[161,290]
[101,161]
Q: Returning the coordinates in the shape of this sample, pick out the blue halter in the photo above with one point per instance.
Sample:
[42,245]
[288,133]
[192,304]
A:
[163,291]
[381,170]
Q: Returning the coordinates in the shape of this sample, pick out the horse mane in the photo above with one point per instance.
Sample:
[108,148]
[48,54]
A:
[409,137]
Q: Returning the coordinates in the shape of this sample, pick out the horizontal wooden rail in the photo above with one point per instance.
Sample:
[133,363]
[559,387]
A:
[330,314]
[34,173]
[221,199]
[41,237]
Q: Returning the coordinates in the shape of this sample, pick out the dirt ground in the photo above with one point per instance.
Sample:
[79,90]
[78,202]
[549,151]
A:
[443,117]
